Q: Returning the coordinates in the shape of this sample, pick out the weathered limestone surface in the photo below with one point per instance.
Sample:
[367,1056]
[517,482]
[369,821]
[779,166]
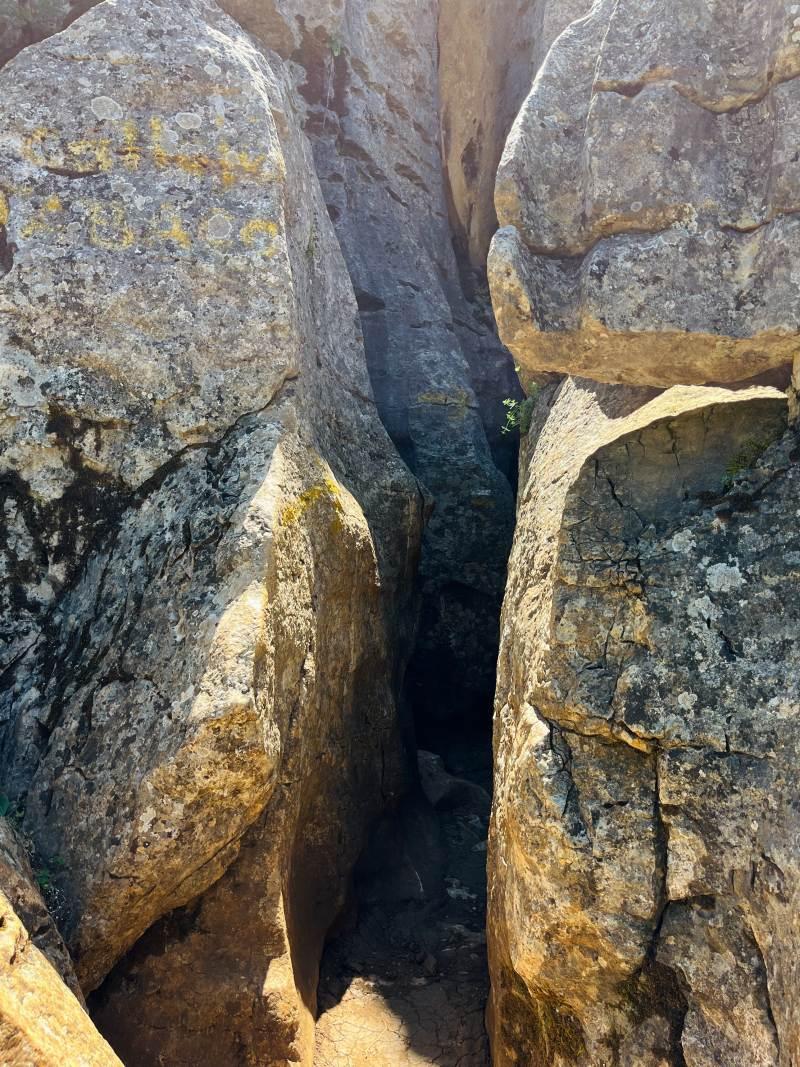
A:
[645,849]
[209,538]
[22,22]
[19,884]
[42,1018]
[42,1023]
[489,51]
[368,75]
[479,100]
[648,191]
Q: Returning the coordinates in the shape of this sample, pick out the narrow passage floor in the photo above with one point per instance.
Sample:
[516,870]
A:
[405,985]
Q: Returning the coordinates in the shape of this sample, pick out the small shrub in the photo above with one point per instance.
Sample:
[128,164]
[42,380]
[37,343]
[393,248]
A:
[519,413]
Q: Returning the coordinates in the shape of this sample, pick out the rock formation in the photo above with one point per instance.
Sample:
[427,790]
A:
[257,507]
[642,885]
[648,191]
[368,76]
[42,1014]
[489,51]
[210,539]
[644,844]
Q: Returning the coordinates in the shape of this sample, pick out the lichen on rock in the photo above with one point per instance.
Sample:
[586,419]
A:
[645,733]
[647,198]
[198,476]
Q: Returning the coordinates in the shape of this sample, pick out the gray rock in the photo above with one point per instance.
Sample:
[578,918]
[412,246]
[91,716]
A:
[644,848]
[368,75]
[209,573]
[648,192]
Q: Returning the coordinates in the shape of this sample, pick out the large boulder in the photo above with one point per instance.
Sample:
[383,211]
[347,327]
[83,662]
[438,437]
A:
[644,852]
[209,539]
[368,74]
[648,197]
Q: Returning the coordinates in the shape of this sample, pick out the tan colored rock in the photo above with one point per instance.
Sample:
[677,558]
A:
[213,538]
[479,100]
[23,891]
[648,192]
[43,1022]
[643,851]
[489,53]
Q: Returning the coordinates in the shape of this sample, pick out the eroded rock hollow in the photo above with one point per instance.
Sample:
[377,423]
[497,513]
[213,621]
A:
[260,261]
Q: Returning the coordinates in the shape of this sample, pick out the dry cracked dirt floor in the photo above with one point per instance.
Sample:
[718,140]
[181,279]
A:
[404,984]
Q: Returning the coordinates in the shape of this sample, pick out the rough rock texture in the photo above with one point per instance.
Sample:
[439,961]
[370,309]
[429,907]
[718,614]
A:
[42,1017]
[489,51]
[42,1024]
[405,983]
[368,75]
[23,891]
[23,22]
[648,191]
[479,100]
[210,539]
[644,850]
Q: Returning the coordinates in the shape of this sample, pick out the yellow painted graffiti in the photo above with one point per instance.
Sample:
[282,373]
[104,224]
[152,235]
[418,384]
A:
[255,229]
[131,151]
[174,230]
[110,228]
[45,148]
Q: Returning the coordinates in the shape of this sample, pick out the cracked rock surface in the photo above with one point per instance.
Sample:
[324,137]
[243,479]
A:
[644,846]
[368,75]
[209,538]
[648,197]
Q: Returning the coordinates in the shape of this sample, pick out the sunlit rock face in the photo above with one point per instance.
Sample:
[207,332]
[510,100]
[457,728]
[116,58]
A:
[42,1015]
[644,850]
[368,75]
[489,52]
[209,539]
[643,855]
[648,197]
